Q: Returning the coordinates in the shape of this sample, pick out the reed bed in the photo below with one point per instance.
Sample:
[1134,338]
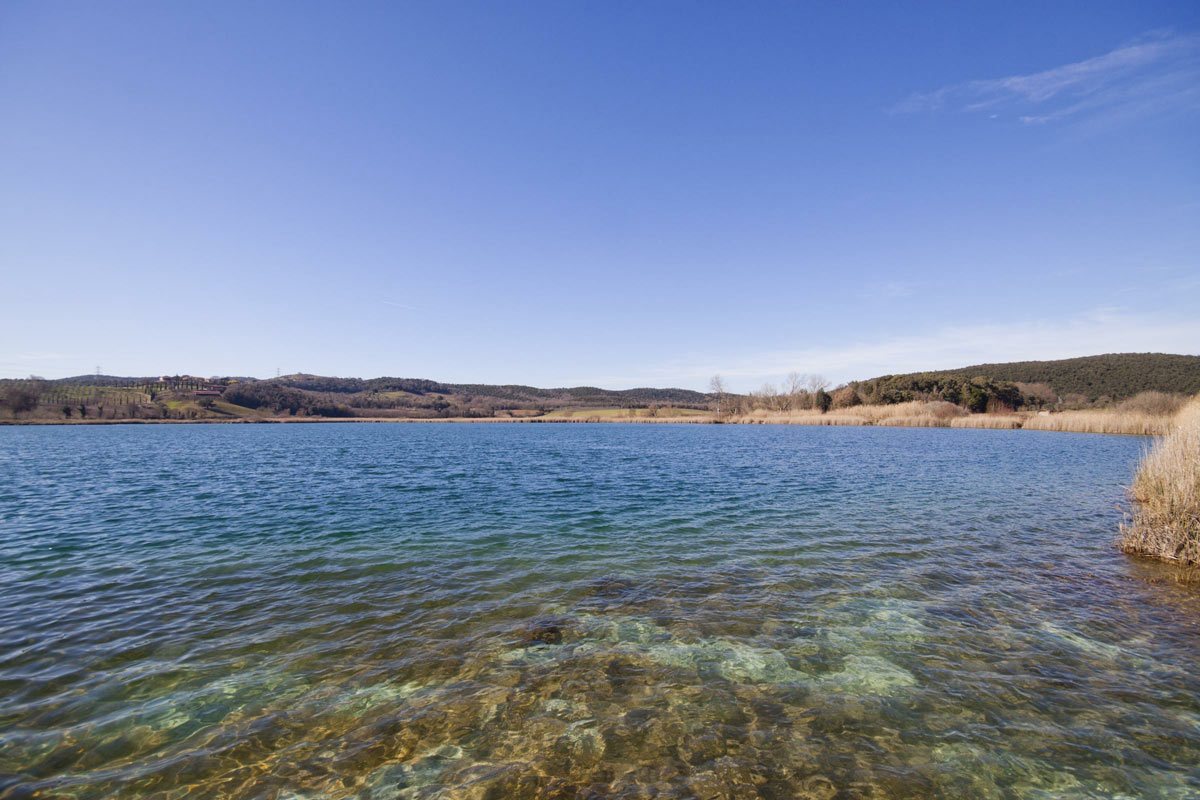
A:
[1120,420]
[1004,422]
[928,421]
[826,419]
[1137,423]
[1166,495]
[797,418]
[936,410]
[913,414]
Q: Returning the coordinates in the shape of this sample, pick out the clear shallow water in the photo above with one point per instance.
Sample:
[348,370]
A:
[511,611]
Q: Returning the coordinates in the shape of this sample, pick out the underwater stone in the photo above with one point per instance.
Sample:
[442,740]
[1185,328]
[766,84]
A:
[610,586]
[816,787]
[544,633]
[582,747]
[697,750]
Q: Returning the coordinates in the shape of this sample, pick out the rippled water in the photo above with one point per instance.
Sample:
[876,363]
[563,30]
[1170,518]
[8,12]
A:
[512,611]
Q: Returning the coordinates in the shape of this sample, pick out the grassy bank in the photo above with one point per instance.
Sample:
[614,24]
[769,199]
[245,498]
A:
[1166,495]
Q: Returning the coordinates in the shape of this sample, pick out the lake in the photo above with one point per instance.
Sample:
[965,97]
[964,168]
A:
[584,611]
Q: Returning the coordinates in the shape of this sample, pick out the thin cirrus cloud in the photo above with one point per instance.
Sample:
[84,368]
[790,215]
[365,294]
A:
[1156,73]
[1103,330]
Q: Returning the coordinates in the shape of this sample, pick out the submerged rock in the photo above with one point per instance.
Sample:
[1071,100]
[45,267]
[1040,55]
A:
[615,591]
[610,586]
[545,630]
[816,787]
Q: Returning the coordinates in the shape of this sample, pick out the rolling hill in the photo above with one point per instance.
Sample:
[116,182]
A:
[1073,382]
[1113,376]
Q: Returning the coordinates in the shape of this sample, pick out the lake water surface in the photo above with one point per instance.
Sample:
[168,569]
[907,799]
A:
[584,611]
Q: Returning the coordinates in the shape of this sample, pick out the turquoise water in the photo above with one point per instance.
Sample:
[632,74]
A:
[570,611]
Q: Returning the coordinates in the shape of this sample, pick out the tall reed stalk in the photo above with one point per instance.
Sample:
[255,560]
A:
[1137,423]
[1166,495]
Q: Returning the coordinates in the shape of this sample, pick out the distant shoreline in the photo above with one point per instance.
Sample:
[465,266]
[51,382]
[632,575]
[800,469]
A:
[974,421]
[306,420]
[1131,393]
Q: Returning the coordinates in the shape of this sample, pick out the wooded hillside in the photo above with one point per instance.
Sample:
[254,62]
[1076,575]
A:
[1114,376]
[1068,383]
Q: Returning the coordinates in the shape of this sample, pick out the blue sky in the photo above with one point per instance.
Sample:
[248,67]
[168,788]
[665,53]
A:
[615,194]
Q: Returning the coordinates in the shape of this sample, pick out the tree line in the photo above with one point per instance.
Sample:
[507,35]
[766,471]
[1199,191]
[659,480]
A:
[799,392]
[802,392]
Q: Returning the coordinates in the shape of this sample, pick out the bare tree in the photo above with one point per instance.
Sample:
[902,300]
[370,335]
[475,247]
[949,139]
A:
[795,389]
[817,383]
[764,397]
[770,398]
[800,388]
[717,386]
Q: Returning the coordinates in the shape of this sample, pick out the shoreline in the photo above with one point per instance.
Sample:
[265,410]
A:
[978,422]
[1165,492]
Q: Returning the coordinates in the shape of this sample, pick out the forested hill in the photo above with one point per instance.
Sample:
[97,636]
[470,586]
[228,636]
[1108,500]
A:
[1092,381]
[510,393]
[577,395]
[96,397]
[1114,376]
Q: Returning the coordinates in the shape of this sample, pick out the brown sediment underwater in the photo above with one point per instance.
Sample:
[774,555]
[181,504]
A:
[583,612]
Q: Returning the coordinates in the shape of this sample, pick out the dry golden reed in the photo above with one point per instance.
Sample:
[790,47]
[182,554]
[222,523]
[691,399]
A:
[994,421]
[1166,495]
[1137,423]
[915,422]
[937,414]
[913,414]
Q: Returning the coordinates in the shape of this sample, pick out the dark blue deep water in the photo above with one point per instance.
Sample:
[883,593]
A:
[584,611]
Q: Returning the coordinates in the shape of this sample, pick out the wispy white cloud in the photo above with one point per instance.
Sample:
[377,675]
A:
[1103,330]
[1158,72]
